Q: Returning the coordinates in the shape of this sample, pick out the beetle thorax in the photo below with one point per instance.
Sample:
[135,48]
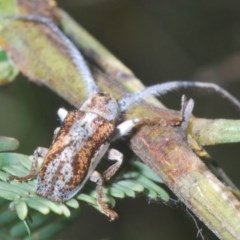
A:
[102,104]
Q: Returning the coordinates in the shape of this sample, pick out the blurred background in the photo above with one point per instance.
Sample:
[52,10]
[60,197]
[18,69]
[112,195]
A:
[159,41]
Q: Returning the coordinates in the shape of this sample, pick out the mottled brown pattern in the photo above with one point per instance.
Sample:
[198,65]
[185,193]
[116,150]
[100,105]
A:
[100,101]
[57,176]
[57,145]
[103,132]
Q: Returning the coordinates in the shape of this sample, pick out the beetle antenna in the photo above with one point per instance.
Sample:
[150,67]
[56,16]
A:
[77,58]
[161,89]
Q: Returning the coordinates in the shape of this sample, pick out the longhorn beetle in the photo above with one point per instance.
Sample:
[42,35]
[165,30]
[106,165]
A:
[86,133]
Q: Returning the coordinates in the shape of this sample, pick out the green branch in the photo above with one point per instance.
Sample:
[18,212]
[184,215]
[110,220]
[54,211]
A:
[164,149]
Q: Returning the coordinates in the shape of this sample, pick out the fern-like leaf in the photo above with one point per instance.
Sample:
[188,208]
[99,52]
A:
[21,197]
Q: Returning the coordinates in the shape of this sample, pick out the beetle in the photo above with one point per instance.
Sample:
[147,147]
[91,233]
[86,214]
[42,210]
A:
[86,133]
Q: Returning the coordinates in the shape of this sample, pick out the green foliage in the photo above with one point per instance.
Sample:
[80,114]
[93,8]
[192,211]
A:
[8,71]
[17,200]
[8,144]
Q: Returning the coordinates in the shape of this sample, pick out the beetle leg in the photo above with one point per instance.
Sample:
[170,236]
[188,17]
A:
[39,152]
[113,155]
[62,113]
[99,180]
[186,111]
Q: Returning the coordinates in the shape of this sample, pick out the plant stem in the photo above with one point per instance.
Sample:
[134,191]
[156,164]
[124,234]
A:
[164,149]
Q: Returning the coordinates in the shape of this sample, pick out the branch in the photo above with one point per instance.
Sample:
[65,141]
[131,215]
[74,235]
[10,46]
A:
[165,150]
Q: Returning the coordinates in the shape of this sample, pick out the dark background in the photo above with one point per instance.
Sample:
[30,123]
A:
[159,41]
